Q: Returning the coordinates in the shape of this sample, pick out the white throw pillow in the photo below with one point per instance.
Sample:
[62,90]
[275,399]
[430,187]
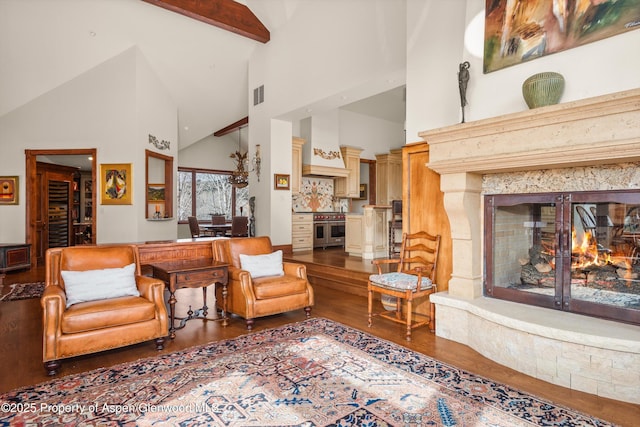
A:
[91,285]
[263,265]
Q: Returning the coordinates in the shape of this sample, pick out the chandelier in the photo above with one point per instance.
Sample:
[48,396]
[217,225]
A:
[239,178]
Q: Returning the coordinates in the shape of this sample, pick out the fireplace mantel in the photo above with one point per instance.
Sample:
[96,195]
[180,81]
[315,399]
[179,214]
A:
[603,130]
[594,131]
[600,130]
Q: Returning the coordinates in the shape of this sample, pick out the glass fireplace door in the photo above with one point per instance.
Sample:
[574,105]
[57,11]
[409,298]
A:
[577,252]
[522,252]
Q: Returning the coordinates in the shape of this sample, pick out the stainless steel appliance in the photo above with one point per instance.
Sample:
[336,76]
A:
[328,229]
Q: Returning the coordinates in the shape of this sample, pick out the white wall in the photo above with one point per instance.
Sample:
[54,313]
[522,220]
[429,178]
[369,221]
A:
[433,100]
[211,152]
[156,115]
[373,135]
[112,107]
[435,30]
[320,60]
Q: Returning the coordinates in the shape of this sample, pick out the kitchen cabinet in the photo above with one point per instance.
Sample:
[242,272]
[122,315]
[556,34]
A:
[354,234]
[301,232]
[389,177]
[349,186]
[296,164]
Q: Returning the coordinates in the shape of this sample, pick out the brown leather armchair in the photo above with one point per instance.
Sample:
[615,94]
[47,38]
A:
[93,326]
[257,297]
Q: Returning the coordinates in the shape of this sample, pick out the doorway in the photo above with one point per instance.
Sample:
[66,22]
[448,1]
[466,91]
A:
[39,180]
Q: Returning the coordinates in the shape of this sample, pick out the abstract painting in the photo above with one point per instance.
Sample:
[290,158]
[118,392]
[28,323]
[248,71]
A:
[116,184]
[9,190]
[521,30]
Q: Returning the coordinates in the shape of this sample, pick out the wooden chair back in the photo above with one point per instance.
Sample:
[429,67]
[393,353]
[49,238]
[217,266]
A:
[218,219]
[240,226]
[194,227]
[419,253]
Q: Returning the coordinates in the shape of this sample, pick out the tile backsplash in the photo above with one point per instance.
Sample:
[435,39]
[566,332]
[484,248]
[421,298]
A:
[316,195]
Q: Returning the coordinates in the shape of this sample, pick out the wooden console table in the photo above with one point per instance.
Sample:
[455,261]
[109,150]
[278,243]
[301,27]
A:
[14,256]
[195,273]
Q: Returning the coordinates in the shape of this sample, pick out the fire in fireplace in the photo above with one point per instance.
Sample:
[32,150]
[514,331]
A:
[578,252]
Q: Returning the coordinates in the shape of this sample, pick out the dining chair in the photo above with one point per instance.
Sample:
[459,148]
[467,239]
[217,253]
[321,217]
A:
[413,279]
[239,226]
[194,227]
[218,220]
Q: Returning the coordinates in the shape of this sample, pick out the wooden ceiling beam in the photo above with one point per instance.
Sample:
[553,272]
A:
[226,14]
[232,127]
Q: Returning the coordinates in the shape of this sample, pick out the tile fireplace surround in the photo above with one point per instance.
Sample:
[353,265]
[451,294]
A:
[523,152]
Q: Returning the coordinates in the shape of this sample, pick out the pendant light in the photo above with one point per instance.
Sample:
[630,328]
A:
[239,178]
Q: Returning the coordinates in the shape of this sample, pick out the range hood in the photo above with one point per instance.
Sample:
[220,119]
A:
[321,155]
[324,171]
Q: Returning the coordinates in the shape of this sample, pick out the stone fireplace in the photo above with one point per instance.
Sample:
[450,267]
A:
[585,145]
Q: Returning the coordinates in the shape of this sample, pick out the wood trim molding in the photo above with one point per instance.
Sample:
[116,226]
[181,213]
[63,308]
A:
[232,127]
[226,14]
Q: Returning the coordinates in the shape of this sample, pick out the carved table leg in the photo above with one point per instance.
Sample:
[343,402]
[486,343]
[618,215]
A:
[205,309]
[172,310]
[225,317]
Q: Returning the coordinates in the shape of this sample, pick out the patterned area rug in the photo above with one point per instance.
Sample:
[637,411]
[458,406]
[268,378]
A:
[312,373]
[20,291]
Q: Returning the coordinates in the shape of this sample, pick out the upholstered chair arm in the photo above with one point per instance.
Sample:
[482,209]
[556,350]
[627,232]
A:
[54,302]
[153,289]
[241,277]
[294,269]
[150,288]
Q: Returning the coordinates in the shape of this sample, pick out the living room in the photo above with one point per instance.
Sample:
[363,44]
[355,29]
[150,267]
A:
[114,102]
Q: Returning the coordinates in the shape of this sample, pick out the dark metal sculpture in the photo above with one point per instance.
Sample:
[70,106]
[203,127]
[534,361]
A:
[463,80]
[252,218]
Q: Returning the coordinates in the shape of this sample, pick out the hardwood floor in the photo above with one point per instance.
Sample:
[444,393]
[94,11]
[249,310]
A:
[21,338]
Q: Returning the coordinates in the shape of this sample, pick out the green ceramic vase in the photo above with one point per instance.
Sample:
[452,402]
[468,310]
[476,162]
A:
[543,89]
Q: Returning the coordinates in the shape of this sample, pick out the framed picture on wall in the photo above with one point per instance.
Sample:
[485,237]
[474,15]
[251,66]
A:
[116,184]
[9,190]
[155,192]
[281,182]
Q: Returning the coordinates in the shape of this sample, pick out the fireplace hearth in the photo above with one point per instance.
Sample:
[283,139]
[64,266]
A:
[576,252]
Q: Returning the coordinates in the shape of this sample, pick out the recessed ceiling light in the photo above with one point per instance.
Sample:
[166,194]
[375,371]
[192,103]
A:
[92,33]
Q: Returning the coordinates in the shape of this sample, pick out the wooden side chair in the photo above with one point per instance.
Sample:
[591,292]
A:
[414,278]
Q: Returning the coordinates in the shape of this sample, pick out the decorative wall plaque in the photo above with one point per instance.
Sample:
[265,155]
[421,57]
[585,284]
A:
[161,145]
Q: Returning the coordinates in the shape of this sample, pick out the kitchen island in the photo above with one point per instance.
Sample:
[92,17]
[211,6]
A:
[366,233]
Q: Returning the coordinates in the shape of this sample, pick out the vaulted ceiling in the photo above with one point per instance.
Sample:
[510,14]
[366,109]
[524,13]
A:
[201,55]
[44,44]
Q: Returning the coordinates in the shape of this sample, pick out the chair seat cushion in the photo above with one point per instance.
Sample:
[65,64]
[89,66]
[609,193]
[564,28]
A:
[92,315]
[399,281]
[275,287]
